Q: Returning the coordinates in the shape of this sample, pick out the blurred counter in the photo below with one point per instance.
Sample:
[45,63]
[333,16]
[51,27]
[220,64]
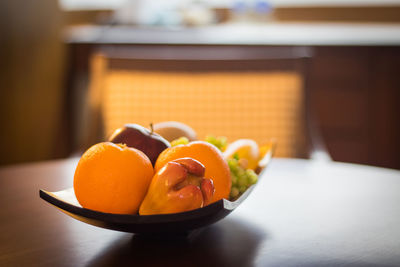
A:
[306,34]
[353,73]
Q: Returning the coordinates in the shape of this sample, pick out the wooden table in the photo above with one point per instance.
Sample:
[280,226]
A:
[302,213]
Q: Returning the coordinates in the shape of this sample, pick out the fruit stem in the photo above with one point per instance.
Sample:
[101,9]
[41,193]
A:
[151,128]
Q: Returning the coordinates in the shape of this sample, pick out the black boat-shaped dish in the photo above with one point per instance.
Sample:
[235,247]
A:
[183,222]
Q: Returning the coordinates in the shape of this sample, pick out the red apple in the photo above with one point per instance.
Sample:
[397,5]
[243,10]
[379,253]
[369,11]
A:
[139,137]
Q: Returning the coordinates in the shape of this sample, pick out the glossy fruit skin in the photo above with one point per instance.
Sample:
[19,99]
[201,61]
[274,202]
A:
[139,137]
[112,178]
[177,187]
[217,168]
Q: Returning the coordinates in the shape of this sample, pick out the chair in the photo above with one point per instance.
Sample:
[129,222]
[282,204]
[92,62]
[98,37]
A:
[232,91]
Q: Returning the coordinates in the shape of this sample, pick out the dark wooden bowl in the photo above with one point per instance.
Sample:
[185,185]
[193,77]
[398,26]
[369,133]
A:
[183,222]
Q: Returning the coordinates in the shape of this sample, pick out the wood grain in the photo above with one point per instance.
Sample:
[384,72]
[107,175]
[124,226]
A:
[302,213]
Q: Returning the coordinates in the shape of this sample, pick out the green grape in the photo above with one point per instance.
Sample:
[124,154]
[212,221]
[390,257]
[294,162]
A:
[241,173]
[241,178]
[180,141]
[233,165]
[234,178]
[242,189]
[220,142]
[234,192]
[251,176]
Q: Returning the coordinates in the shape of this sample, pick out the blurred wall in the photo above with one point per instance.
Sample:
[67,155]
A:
[379,14]
[31,81]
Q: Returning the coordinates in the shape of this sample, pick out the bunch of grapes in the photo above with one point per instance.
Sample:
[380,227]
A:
[220,142]
[242,178]
[180,141]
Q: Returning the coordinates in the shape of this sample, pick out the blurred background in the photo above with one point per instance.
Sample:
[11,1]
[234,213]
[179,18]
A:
[74,70]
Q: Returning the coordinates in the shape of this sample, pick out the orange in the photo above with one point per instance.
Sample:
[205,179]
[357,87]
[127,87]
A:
[217,168]
[112,178]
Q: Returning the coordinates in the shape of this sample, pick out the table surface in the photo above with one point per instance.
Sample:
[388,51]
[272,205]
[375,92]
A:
[302,213]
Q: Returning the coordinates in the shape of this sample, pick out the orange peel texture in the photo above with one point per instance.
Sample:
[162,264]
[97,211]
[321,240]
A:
[112,178]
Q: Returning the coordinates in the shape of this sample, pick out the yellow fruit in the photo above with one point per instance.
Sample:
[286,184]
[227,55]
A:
[270,146]
[172,130]
[266,152]
[245,149]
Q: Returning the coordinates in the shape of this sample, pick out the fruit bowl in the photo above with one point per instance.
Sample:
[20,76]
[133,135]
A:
[183,222]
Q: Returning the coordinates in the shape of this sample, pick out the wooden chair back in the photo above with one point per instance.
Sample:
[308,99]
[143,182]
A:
[237,92]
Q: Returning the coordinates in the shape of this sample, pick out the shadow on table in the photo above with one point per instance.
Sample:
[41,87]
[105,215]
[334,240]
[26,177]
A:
[230,243]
